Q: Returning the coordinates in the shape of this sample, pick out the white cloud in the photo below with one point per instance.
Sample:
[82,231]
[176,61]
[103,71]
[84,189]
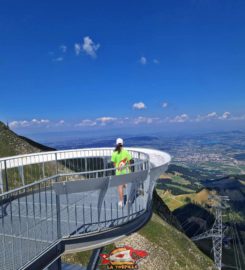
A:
[156,61]
[89,47]
[38,122]
[77,48]
[145,120]
[86,123]
[207,117]
[139,105]
[237,118]
[225,116]
[58,59]
[99,121]
[105,120]
[180,118]
[199,118]
[143,60]
[165,105]
[15,124]
[25,123]
[215,116]
[61,122]
[212,115]
[63,48]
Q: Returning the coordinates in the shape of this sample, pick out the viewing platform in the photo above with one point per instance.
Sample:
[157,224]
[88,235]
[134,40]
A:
[67,201]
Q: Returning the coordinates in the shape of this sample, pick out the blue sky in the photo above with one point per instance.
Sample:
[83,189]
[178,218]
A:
[75,65]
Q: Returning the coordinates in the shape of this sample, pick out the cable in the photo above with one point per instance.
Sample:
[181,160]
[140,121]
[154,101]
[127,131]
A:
[237,259]
[234,248]
[232,235]
[199,214]
[238,245]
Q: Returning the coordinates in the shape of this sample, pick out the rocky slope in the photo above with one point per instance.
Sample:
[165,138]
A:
[168,248]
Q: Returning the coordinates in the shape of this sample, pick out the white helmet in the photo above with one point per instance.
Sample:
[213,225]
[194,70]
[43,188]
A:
[119,141]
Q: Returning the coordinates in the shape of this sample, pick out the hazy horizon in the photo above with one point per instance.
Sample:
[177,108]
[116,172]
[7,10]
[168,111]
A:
[104,133]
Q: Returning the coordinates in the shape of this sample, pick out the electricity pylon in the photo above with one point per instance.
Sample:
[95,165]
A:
[216,232]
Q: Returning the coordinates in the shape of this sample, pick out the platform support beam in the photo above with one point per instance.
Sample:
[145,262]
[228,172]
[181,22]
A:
[94,259]
[56,265]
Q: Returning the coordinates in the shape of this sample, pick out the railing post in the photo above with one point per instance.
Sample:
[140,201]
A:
[6,176]
[86,166]
[104,166]
[21,173]
[150,186]
[56,163]
[1,180]
[43,169]
[57,198]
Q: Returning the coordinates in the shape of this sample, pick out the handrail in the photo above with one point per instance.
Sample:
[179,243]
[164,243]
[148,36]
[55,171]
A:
[20,170]
[60,175]
[85,150]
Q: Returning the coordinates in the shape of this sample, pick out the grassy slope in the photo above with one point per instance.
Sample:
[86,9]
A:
[180,251]
[82,258]
[176,201]
[11,144]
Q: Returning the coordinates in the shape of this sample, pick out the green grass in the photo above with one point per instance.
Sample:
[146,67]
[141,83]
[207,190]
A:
[178,179]
[235,216]
[184,189]
[170,200]
[82,258]
[173,204]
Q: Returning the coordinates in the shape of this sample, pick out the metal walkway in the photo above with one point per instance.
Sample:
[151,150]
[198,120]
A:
[63,201]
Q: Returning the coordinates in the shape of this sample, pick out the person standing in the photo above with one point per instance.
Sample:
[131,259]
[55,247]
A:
[121,161]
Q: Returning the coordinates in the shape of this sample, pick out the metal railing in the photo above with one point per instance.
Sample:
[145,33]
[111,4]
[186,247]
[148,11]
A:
[60,195]
[21,170]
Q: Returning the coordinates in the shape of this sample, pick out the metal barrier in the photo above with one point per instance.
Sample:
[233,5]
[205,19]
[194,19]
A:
[21,170]
[54,196]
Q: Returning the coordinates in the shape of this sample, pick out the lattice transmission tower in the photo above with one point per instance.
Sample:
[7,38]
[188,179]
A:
[217,230]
